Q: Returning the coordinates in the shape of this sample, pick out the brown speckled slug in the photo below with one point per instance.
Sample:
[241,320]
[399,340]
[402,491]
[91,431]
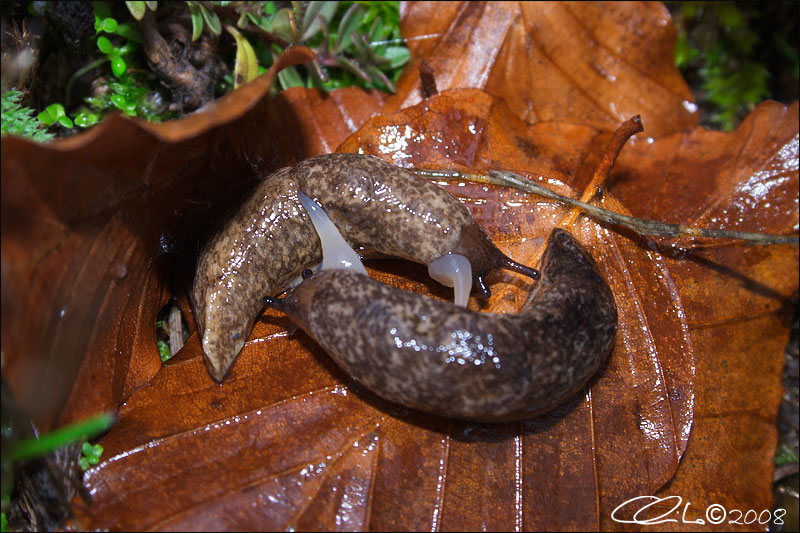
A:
[378,208]
[447,360]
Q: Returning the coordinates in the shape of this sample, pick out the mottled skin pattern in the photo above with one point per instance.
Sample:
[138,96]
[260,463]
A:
[443,359]
[378,208]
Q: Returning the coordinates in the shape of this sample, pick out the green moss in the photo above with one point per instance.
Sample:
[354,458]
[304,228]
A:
[722,51]
[19,120]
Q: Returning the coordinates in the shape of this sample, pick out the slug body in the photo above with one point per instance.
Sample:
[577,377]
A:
[447,360]
[378,208]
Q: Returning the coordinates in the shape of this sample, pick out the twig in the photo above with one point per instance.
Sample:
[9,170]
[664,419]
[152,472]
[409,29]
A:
[641,226]
[628,128]
[175,330]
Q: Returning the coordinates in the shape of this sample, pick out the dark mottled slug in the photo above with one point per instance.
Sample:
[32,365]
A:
[379,209]
[447,360]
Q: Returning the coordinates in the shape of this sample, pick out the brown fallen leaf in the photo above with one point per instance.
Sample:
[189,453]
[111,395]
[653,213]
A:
[100,228]
[595,63]
[271,444]
[288,440]
[744,297]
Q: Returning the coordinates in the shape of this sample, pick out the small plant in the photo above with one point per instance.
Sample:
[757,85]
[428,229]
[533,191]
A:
[785,455]
[18,450]
[723,57]
[55,114]
[90,455]
[164,351]
[357,44]
[43,444]
[200,13]
[19,120]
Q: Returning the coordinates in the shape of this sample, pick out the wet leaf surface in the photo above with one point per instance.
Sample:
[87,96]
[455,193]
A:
[100,230]
[594,64]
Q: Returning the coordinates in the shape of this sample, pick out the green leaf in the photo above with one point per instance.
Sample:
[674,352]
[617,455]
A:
[353,67]
[376,32]
[242,22]
[119,101]
[397,55]
[104,45]
[127,48]
[109,25]
[263,22]
[379,78]
[246,68]
[197,21]
[101,9]
[118,66]
[84,119]
[137,9]
[127,30]
[348,24]
[269,8]
[289,77]
[84,462]
[785,455]
[684,51]
[315,11]
[284,26]
[45,118]
[56,111]
[65,121]
[151,4]
[163,349]
[48,442]
[211,19]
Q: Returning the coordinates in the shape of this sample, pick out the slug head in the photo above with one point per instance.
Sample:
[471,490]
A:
[485,257]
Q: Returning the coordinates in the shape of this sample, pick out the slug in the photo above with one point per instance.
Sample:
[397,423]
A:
[380,210]
[446,360]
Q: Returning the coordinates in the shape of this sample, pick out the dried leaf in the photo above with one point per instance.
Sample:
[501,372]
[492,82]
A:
[82,253]
[288,440]
[288,421]
[596,64]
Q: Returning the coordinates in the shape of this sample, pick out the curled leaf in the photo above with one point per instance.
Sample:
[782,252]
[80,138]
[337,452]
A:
[137,9]
[284,26]
[197,20]
[246,68]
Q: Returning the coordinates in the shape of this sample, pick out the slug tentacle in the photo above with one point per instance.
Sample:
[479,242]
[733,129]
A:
[436,357]
[267,244]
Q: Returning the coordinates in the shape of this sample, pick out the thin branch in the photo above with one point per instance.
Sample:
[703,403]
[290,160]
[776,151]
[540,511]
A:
[641,226]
